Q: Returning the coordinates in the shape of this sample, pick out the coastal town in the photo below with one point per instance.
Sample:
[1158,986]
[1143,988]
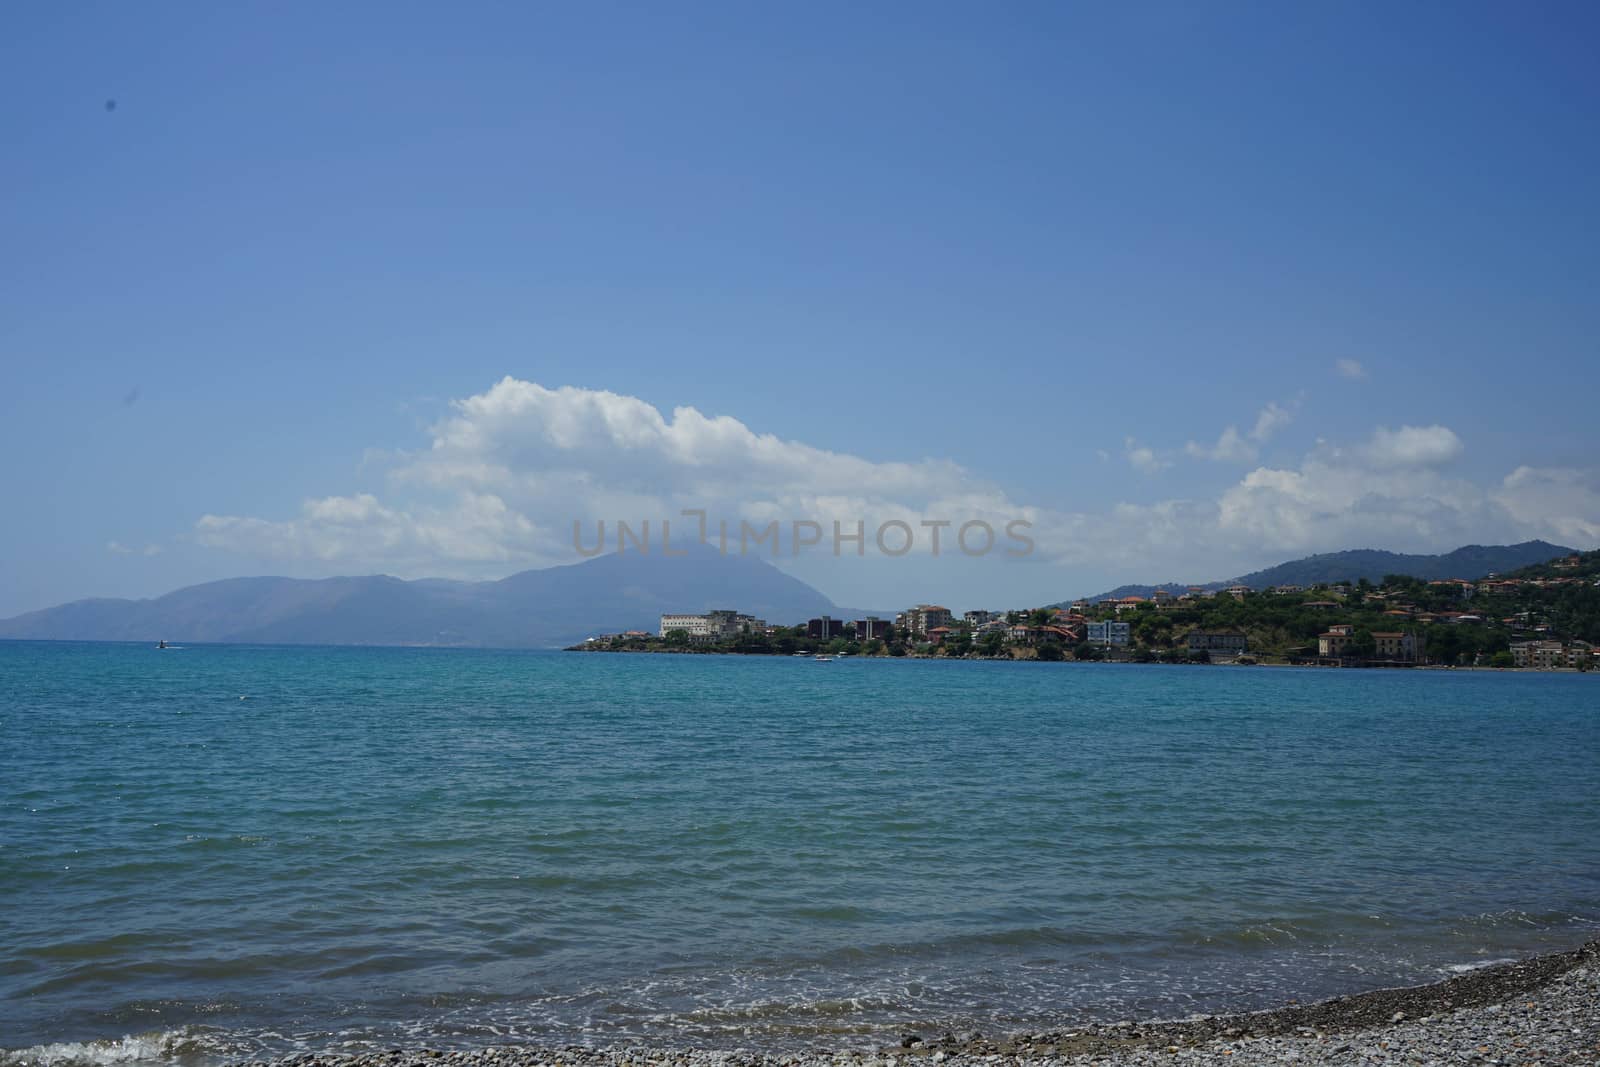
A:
[1545,617]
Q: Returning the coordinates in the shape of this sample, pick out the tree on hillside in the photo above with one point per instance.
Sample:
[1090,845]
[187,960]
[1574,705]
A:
[1443,643]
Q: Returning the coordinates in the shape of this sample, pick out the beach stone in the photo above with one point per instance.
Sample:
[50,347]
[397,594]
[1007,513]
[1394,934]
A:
[1541,1011]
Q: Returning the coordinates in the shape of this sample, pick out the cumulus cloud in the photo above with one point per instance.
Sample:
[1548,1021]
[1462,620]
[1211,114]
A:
[1412,446]
[1349,368]
[519,436]
[1233,447]
[1564,500]
[502,478]
[1334,499]
[507,473]
[479,527]
[1271,419]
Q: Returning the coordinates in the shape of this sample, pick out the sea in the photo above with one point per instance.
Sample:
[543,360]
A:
[214,853]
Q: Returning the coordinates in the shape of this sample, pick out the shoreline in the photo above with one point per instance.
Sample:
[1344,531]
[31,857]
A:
[1543,1009]
[1430,667]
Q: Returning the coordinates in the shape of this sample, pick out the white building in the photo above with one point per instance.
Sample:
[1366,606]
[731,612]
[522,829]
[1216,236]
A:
[1550,655]
[1109,633]
[712,626]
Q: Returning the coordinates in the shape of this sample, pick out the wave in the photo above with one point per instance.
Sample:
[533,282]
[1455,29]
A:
[164,1046]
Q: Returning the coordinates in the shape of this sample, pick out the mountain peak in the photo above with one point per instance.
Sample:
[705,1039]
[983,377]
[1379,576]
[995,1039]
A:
[549,607]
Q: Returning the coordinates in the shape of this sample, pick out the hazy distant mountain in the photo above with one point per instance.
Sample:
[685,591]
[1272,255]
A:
[533,609]
[1145,590]
[1469,561]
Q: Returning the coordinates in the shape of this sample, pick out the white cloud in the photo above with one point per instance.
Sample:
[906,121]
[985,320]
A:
[508,471]
[1349,368]
[1565,501]
[1413,446]
[117,548]
[1271,419]
[478,528]
[1392,490]
[1232,447]
[521,435]
[1142,458]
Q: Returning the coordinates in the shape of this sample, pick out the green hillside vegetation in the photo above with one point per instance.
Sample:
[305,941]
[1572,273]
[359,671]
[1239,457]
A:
[1572,565]
[1283,626]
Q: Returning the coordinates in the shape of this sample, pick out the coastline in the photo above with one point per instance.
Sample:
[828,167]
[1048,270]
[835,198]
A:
[1544,1009]
[1428,667]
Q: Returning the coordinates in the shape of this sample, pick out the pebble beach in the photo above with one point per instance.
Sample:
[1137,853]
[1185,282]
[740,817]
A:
[1544,1010]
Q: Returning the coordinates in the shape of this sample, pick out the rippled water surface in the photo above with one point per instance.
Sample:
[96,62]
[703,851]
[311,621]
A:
[217,851]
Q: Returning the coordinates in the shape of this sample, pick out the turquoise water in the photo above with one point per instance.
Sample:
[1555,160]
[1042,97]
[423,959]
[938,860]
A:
[219,851]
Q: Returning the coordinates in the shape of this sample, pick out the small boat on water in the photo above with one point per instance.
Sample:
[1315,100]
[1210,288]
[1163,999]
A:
[822,657]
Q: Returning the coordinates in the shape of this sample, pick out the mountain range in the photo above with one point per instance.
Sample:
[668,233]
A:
[1469,561]
[533,609]
[559,606]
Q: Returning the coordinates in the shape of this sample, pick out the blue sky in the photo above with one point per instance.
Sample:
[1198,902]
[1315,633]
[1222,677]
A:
[922,260]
